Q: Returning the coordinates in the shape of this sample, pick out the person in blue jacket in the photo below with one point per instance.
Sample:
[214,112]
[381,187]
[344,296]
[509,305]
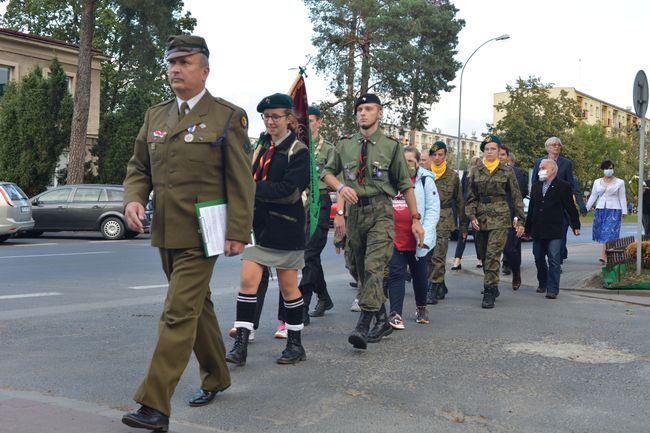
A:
[405,248]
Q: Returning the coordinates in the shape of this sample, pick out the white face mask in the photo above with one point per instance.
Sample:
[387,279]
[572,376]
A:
[543,175]
[608,172]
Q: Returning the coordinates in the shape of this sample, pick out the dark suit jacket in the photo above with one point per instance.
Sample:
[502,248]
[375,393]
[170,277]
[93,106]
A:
[565,173]
[522,180]
[545,213]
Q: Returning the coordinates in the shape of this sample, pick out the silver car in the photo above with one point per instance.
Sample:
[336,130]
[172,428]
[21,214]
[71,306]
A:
[15,211]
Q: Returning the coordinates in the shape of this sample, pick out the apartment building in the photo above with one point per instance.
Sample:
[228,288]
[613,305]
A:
[469,146]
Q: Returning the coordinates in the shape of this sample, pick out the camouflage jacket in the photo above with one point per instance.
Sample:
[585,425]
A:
[448,186]
[487,198]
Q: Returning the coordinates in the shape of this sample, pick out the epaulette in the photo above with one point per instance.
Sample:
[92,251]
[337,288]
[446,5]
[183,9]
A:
[165,102]
[227,103]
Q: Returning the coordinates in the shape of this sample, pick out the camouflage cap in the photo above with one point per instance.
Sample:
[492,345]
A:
[490,139]
[276,100]
[185,45]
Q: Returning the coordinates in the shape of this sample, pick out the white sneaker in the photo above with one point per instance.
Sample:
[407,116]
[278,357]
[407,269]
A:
[282,331]
[355,306]
[251,336]
[395,320]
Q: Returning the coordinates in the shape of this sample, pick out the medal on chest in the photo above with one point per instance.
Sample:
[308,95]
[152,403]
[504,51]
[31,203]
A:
[190,134]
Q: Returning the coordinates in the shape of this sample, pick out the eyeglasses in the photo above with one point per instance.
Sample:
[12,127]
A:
[274,117]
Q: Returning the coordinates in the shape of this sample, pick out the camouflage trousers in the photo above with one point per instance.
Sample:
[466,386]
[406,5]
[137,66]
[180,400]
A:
[438,257]
[370,234]
[489,246]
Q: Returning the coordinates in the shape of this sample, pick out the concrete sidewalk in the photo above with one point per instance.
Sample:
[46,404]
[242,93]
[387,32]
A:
[580,274]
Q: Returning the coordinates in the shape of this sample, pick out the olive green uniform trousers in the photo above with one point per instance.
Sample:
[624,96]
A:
[188,323]
[370,231]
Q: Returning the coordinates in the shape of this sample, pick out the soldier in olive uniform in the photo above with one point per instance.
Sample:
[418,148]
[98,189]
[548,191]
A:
[450,193]
[489,213]
[190,149]
[313,278]
[374,170]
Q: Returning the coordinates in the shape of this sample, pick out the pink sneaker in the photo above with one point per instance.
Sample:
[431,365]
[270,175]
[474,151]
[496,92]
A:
[282,330]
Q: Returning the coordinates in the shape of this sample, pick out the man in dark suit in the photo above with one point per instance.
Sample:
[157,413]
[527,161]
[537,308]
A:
[550,199]
[564,172]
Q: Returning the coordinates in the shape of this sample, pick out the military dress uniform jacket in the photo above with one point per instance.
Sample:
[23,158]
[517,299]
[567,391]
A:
[184,163]
[279,220]
[487,198]
[386,173]
[322,152]
[450,194]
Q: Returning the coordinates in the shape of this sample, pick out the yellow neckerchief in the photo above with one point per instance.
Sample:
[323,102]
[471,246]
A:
[439,170]
[491,166]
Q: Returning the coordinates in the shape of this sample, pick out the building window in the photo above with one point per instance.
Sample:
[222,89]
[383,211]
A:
[68,78]
[5,76]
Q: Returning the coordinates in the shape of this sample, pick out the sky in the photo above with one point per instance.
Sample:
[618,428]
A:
[595,46]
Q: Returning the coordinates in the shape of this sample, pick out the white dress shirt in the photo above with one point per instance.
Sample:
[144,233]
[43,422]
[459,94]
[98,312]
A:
[608,195]
[190,102]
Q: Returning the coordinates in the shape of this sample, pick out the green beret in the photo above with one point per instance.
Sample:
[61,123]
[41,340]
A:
[368,98]
[491,139]
[276,100]
[185,45]
[314,111]
[437,146]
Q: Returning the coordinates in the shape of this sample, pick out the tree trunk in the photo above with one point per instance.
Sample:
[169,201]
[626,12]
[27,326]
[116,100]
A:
[82,96]
[349,124]
[365,63]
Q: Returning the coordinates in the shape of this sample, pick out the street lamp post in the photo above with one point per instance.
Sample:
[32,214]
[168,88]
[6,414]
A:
[460,93]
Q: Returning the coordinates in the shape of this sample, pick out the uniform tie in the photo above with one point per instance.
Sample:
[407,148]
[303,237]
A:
[363,162]
[181,112]
[262,171]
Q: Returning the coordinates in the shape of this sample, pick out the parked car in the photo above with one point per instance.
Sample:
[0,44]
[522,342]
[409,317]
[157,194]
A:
[87,207]
[15,211]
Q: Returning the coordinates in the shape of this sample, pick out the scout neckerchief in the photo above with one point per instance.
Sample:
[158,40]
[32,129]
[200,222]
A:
[439,170]
[363,162]
[491,165]
[262,171]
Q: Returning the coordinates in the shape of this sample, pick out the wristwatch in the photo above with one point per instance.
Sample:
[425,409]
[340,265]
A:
[416,216]
[339,212]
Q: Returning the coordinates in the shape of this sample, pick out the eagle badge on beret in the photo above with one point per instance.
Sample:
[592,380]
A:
[267,100]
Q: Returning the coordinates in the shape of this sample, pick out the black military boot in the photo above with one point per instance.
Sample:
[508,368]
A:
[322,306]
[294,352]
[382,328]
[488,297]
[442,291]
[305,309]
[432,298]
[240,348]
[358,337]
[516,279]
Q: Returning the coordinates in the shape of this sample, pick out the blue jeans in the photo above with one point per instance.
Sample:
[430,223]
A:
[397,279]
[548,275]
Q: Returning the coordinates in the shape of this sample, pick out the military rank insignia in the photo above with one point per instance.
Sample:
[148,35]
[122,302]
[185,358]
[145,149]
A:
[243,122]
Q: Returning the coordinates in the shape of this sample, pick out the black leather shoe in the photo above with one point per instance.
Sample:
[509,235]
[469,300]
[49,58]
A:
[321,307]
[147,417]
[354,284]
[541,290]
[202,397]
[551,296]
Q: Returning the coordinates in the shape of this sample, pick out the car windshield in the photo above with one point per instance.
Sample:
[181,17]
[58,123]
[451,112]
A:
[13,192]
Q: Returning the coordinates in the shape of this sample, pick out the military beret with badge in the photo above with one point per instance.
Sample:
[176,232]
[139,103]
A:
[368,98]
[313,110]
[276,100]
[185,45]
[491,139]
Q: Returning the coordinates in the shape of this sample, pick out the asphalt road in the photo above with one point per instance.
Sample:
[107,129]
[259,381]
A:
[530,365]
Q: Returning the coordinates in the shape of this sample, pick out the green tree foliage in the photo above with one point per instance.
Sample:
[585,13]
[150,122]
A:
[133,34]
[532,116]
[35,116]
[401,49]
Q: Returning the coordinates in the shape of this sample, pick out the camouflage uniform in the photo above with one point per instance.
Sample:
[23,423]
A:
[448,186]
[487,203]
[369,224]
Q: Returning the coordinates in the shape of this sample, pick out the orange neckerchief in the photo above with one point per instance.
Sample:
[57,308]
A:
[491,166]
